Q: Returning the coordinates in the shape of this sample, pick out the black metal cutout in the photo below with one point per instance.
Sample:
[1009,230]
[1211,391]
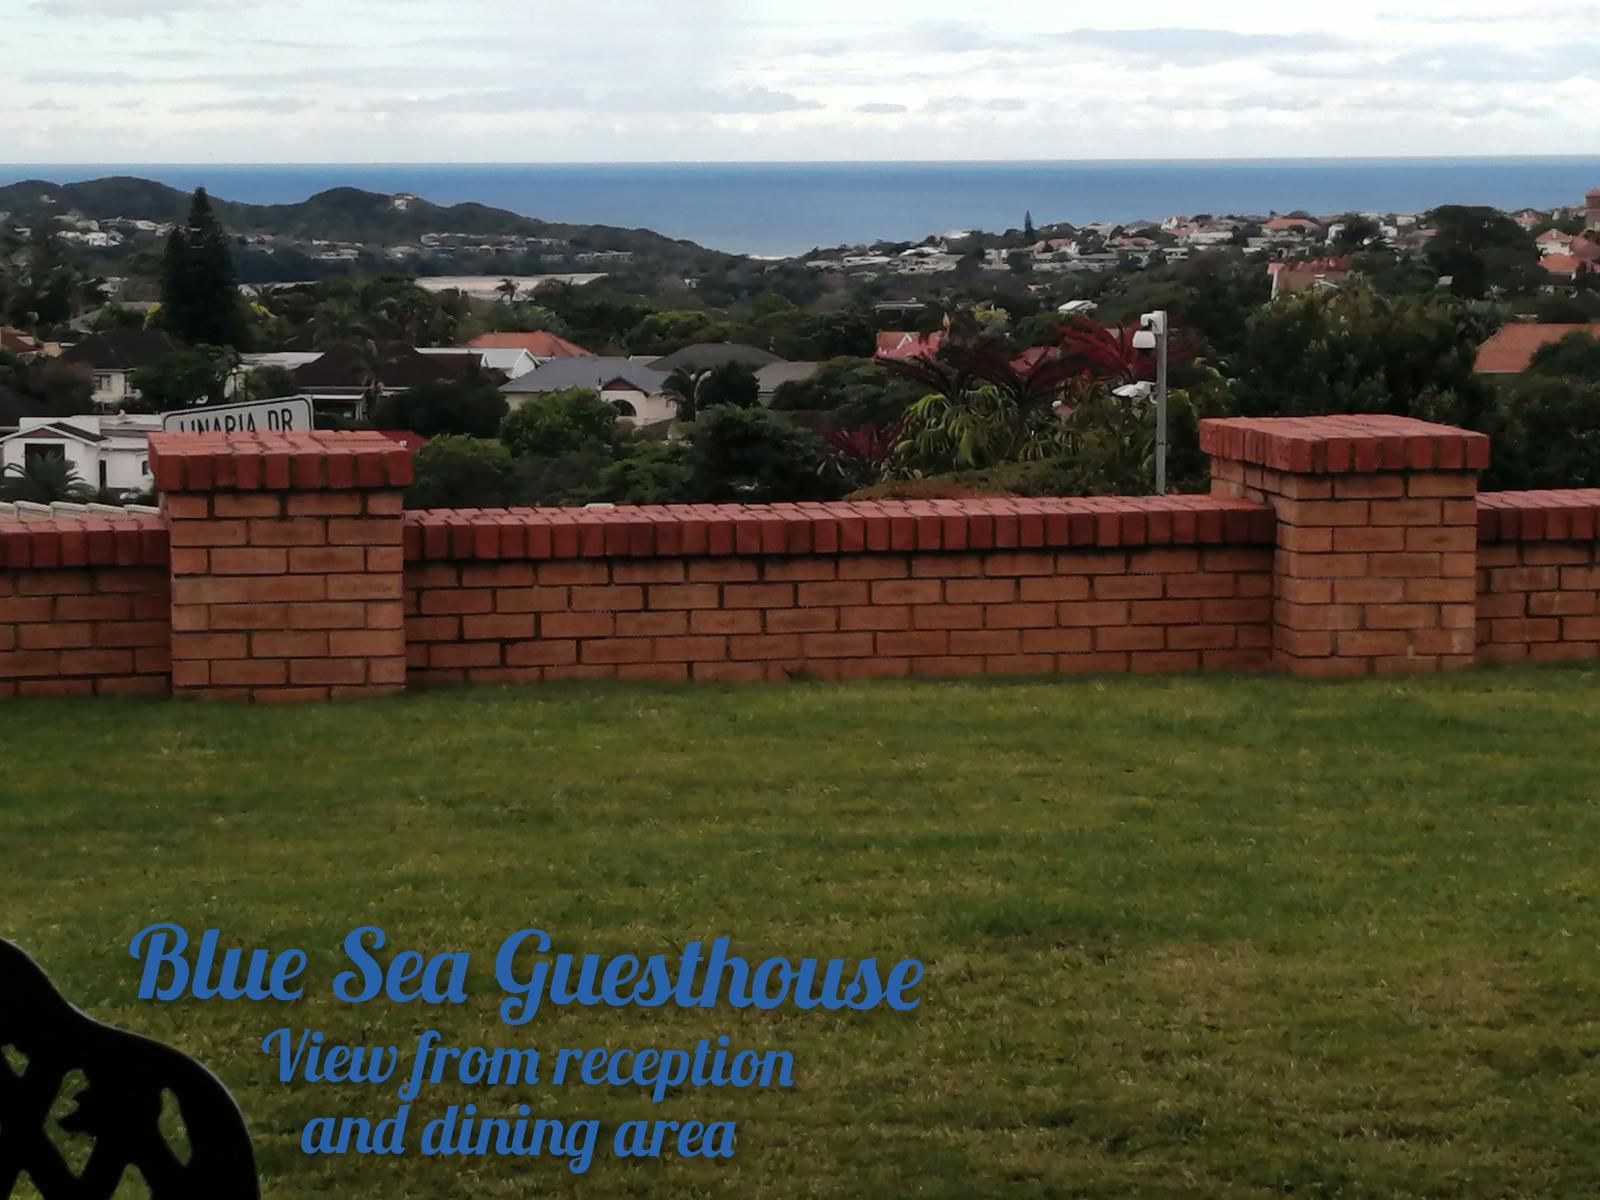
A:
[120,1108]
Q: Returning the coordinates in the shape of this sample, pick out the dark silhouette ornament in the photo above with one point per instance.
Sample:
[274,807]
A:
[46,1044]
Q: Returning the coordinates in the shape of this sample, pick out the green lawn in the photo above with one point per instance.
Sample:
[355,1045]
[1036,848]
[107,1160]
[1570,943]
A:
[1221,937]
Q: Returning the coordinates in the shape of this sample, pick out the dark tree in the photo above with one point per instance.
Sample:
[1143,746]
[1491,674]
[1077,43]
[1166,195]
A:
[457,472]
[465,407]
[181,379]
[199,288]
[1576,356]
[752,456]
[559,423]
[1482,250]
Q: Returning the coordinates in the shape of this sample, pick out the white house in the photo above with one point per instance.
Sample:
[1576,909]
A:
[106,452]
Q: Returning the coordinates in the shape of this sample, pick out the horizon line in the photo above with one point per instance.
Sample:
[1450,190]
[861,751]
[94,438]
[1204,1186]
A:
[832,162]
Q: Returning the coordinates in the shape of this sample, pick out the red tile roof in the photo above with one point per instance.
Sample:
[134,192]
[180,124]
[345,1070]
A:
[909,345]
[14,341]
[536,342]
[1510,350]
[1566,266]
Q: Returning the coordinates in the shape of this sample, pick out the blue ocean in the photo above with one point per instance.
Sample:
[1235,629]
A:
[788,208]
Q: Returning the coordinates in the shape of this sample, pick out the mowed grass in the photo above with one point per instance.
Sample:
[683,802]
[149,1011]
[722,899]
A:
[1200,938]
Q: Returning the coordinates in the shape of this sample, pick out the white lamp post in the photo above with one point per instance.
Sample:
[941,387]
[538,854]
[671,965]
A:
[1152,335]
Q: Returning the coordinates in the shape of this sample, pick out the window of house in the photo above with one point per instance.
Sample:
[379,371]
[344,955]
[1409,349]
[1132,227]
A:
[144,466]
[34,453]
[624,408]
[102,383]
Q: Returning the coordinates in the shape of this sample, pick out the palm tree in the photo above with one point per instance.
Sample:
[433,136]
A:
[44,481]
[686,387]
[337,322]
[371,361]
[508,290]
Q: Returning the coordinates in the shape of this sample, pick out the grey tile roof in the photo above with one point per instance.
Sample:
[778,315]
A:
[706,355]
[562,373]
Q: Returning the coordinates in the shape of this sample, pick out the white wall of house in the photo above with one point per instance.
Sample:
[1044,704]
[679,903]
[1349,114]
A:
[111,388]
[636,407]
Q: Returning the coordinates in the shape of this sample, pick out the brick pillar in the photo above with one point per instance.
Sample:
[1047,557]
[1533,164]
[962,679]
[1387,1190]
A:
[1375,569]
[287,563]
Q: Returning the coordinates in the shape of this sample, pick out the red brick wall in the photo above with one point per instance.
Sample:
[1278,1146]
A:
[1376,534]
[287,561]
[285,569]
[84,606]
[1538,576]
[751,617]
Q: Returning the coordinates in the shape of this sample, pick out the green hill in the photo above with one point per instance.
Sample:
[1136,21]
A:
[339,214]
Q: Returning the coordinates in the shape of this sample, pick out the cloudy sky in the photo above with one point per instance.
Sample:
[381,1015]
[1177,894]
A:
[665,80]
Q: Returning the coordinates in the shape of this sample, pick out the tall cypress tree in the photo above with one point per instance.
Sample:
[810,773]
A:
[199,288]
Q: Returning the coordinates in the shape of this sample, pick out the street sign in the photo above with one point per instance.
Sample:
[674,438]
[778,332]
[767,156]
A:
[287,414]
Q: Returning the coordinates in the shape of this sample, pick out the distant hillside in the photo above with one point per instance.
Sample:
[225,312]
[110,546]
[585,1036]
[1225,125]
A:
[339,214]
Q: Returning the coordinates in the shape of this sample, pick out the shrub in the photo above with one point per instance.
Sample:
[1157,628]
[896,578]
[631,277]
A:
[468,407]
[559,423]
[454,471]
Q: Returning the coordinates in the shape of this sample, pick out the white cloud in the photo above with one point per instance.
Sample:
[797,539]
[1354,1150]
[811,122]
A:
[397,80]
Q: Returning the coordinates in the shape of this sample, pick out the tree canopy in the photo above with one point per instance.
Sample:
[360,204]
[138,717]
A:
[199,287]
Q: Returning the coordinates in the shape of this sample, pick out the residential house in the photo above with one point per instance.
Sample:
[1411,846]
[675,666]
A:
[342,380]
[774,375]
[1568,268]
[635,390]
[706,356]
[107,452]
[1591,209]
[112,357]
[1201,236]
[1530,219]
[25,346]
[1297,225]
[899,345]
[1510,351]
[1553,241]
[900,308]
[510,362]
[541,346]
[1320,273]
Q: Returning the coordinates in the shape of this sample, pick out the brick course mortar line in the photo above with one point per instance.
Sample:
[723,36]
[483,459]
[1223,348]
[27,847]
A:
[841,616]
